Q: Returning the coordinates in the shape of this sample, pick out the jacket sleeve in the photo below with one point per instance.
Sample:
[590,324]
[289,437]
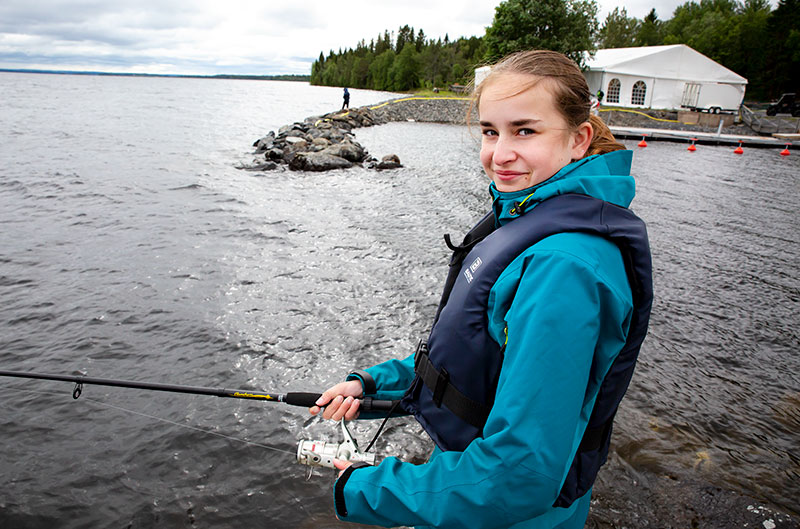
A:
[392,378]
[564,315]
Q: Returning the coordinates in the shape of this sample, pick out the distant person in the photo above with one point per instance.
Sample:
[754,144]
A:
[595,108]
[534,343]
[346,97]
[600,95]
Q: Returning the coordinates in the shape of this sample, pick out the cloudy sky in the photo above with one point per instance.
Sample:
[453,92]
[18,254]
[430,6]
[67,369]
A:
[228,36]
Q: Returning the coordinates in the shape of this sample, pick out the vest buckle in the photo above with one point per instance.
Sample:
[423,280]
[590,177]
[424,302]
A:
[422,351]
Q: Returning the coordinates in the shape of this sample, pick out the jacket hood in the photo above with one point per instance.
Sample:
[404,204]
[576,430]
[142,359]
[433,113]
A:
[604,176]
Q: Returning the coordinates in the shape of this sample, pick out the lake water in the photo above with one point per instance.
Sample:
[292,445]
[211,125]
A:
[131,247]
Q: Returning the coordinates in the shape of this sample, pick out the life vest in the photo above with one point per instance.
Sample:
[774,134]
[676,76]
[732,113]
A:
[458,368]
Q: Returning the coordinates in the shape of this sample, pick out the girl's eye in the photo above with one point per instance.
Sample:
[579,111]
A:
[526,132]
[489,132]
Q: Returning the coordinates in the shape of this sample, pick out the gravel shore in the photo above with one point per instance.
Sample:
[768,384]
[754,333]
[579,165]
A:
[439,110]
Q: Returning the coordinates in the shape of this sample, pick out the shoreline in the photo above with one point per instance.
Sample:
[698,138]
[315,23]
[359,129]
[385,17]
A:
[327,142]
[624,123]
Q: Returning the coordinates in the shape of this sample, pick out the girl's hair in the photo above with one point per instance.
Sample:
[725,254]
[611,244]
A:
[568,86]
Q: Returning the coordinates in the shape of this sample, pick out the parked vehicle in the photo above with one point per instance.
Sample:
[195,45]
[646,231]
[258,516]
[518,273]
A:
[787,104]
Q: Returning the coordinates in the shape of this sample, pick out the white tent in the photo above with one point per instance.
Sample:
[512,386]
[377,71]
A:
[664,77]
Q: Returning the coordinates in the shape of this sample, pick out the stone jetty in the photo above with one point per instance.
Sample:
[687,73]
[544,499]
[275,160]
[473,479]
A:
[323,143]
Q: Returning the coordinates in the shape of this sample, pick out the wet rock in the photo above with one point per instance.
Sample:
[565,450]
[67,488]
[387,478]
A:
[390,161]
[348,150]
[265,143]
[625,497]
[317,161]
[258,165]
[274,154]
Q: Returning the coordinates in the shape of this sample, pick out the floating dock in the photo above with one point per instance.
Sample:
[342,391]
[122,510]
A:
[705,138]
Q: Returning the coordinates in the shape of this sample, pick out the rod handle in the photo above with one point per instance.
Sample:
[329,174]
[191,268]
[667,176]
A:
[307,400]
[370,404]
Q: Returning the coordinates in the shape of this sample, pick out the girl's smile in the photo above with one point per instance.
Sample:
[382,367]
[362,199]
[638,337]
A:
[525,139]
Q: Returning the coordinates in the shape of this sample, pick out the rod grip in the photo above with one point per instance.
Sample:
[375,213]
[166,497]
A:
[306,400]
[369,404]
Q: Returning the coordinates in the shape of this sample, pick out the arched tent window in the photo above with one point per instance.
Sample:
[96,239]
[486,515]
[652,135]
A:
[612,96]
[638,93]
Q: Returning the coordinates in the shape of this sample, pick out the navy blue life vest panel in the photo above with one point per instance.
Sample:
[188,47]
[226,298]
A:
[467,361]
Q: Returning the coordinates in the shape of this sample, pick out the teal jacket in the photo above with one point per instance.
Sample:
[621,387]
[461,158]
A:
[565,304]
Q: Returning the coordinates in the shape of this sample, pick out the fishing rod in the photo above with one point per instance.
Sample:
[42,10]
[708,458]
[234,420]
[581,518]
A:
[312,453]
[306,400]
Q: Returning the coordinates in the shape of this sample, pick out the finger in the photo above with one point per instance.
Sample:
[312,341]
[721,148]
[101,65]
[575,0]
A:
[325,398]
[352,413]
[314,410]
[341,466]
[333,407]
[343,409]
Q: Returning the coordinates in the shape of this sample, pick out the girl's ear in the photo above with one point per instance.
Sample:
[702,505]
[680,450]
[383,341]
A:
[581,139]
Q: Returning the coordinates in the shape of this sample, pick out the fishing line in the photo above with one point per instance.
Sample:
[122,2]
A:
[190,427]
[168,421]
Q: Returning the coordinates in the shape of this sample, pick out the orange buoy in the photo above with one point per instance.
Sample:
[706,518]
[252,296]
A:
[785,152]
[692,148]
[643,143]
[739,150]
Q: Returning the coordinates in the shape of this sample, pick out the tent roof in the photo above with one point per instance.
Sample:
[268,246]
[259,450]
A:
[677,61]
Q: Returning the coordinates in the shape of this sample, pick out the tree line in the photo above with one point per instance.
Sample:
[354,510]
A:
[749,37]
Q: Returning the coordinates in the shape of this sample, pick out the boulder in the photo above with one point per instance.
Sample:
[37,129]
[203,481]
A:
[390,161]
[347,150]
[317,161]
[265,143]
[258,165]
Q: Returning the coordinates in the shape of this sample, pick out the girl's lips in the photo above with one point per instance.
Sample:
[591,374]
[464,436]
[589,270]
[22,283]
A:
[508,175]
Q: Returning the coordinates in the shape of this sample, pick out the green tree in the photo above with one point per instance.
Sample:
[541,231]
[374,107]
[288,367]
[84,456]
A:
[566,26]
[749,57]
[649,33]
[619,30]
[783,52]
[709,27]
[404,35]
[404,72]
[379,71]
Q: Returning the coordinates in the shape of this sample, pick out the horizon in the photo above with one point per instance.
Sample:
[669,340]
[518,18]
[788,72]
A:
[146,74]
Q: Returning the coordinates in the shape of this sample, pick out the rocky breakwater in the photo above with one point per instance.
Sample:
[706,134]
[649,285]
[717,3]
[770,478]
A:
[319,143]
[322,143]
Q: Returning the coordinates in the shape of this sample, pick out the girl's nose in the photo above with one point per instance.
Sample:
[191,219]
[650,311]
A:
[504,151]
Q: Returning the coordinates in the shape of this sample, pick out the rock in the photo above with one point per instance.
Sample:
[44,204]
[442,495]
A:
[258,166]
[274,154]
[265,143]
[347,150]
[317,161]
[390,161]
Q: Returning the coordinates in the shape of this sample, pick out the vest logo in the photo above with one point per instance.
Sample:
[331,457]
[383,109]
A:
[468,273]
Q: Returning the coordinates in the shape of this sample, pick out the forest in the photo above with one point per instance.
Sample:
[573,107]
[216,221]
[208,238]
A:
[750,37]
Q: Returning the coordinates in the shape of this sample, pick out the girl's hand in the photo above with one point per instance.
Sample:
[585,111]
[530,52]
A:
[341,465]
[340,401]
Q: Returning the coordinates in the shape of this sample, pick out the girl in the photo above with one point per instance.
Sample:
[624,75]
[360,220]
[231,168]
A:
[534,343]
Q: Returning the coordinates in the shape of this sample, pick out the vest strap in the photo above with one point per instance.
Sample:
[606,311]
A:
[470,411]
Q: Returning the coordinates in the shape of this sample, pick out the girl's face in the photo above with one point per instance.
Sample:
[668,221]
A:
[525,139]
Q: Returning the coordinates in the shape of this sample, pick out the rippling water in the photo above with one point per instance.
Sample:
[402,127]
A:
[132,248]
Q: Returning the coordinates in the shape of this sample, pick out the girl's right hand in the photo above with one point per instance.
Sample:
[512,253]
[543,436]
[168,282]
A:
[340,401]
